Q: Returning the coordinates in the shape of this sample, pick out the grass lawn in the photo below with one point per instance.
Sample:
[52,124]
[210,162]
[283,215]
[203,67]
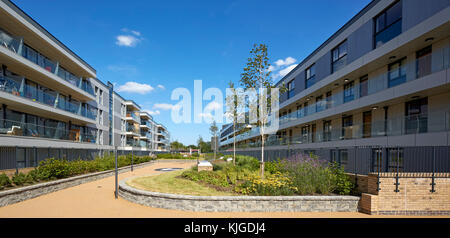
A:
[170,183]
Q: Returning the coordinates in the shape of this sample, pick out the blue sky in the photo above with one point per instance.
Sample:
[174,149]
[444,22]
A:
[149,48]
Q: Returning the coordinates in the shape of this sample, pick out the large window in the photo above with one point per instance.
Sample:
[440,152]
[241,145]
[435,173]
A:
[388,24]
[320,103]
[367,124]
[416,113]
[423,62]
[349,92]
[363,86]
[397,73]
[291,87]
[329,100]
[310,76]
[395,159]
[326,130]
[339,56]
[347,127]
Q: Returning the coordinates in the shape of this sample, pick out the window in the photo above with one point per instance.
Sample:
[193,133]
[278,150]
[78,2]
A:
[339,56]
[347,127]
[395,159]
[343,158]
[423,62]
[101,98]
[291,87]
[305,109]
[367,124]
[349,92]
[320,103]
[329,99]
[416,113]
[327,131]
[397,73]
[363,86]
[305,134]
[377,160]
[388,24]
[310,76]
[299,111]
[100,118]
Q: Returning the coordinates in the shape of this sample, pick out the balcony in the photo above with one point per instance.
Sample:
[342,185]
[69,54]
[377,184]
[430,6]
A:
[132,116]
[416,124]
[35,93]
[438,61]
[17,128]
[16,45]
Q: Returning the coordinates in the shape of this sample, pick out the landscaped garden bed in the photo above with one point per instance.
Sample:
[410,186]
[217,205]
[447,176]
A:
[53,169]
[298,175]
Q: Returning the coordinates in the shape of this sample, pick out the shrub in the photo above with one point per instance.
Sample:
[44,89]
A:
[21,179]
[310,175]
[4,181]
[247,162]
[209,177]
[343,183]
[276,184]
[273,166]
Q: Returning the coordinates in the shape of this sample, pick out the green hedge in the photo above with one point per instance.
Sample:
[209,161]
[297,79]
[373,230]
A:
[52,168]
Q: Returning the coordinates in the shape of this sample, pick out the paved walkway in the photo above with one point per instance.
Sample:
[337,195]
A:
[96,200]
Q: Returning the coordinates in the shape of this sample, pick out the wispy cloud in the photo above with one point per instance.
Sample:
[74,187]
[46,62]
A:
[282,67]
[153,113]
[134,87]
[130,39]
[286,70]
[165,106]
[161,87]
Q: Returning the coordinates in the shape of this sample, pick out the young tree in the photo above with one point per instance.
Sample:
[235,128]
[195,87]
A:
[213,129]
[234,104]
[256,76]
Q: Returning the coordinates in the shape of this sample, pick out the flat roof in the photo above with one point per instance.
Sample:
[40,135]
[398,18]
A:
[332,37]
[43,30]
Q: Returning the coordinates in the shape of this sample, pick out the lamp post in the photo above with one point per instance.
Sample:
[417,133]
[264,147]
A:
[116,173]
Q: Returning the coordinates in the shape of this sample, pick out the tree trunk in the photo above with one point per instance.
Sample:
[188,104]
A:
[234,143]
[262,156]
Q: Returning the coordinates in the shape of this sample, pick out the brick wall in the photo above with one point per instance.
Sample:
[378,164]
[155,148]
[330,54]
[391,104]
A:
[413,198]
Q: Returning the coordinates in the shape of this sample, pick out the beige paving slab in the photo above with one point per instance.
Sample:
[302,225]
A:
[96,200]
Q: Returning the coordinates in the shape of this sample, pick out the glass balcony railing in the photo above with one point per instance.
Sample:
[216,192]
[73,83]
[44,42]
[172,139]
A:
[414,124]
[35,93]
[134,116]
[17,128]
[133,129]
[16,45]
[438,61]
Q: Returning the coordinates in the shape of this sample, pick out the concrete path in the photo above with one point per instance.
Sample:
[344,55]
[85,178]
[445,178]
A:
[96,200]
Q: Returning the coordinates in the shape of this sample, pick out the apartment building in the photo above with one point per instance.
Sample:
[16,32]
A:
[380,80]
[53,105]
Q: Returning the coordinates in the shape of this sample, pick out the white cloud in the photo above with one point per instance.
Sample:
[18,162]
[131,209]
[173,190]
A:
[153,113]
[165,106]
[206,115]
[137,33]
[213,106]
[286,70]
[127,40]
[161,86]
[288,61]
[133,87]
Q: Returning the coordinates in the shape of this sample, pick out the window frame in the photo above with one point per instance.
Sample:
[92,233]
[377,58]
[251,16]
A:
[348,98]
[390,80]
[311,77]
[339,58]
[383,13]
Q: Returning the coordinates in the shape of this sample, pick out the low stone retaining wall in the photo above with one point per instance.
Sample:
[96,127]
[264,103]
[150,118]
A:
[239,203]
[24,193]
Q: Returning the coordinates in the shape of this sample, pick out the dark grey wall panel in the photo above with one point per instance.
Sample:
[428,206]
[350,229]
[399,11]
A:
[416,11]
[323,66]
[360,42]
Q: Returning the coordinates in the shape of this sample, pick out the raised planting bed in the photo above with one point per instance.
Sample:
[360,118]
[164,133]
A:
[238,203]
